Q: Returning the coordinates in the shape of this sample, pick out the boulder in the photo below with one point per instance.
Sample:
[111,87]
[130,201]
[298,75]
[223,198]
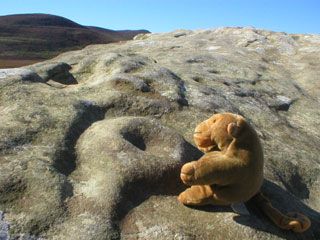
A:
[93,140]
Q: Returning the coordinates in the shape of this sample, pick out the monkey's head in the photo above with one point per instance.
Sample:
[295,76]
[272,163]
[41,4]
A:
[217,132]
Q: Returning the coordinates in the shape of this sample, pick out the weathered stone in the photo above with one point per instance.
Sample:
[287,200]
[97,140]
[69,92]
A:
[91,142]
[121,162]
[4,228]
[19,74]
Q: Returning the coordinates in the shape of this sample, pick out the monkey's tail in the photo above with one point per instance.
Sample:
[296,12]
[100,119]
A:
[291,221]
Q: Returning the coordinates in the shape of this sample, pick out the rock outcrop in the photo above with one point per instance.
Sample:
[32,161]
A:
[91,142]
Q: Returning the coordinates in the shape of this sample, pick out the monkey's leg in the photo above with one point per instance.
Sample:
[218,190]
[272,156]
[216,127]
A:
[212,168]
[200,195]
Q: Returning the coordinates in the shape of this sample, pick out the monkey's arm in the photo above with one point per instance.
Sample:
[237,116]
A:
[212,168]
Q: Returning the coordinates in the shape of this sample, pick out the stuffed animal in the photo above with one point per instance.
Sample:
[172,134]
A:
[231,170]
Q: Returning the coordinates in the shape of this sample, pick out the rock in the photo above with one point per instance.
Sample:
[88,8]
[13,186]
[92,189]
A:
[180,34]
[20,74]
[115,171]
[4,228]
[92,141]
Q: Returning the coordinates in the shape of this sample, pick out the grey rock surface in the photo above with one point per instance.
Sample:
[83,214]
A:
[91,142]
[4,228]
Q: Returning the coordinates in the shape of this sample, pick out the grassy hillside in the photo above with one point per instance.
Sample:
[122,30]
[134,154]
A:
[29,38]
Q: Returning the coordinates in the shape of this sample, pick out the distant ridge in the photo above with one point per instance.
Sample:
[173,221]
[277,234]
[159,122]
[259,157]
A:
[29,38]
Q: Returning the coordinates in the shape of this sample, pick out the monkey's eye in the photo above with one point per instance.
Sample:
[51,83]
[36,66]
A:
[214,121]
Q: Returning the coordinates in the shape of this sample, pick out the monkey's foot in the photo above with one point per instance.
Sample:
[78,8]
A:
[187,174]
[200,195]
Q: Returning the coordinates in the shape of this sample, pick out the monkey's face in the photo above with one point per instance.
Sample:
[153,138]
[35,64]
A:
[212,134]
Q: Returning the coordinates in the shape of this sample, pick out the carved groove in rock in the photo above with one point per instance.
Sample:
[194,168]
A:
[117,171]
[87,114]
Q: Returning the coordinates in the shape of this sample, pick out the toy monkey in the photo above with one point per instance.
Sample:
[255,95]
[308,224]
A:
[231,170]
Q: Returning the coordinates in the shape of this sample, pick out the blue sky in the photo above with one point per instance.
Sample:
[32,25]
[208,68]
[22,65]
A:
[291,16]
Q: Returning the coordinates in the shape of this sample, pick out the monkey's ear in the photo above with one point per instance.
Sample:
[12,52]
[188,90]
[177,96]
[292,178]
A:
[235,129]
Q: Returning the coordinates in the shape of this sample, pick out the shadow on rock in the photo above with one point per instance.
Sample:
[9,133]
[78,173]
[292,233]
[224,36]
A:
[212,209]
[285,202]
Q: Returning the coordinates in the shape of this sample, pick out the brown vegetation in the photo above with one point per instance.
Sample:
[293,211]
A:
[29,38]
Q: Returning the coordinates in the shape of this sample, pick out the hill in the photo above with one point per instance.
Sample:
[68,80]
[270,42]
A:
[29,38]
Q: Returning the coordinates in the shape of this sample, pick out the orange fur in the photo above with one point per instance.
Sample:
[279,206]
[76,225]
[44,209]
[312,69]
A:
[231,171]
